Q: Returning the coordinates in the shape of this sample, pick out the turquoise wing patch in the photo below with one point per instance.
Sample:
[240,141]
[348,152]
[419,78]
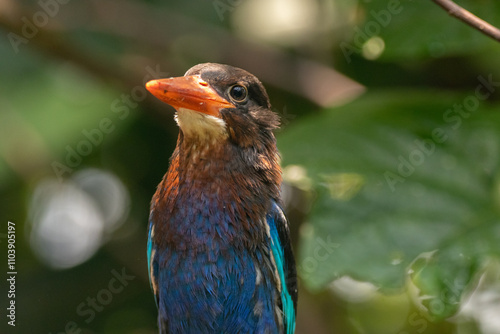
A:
[286,298]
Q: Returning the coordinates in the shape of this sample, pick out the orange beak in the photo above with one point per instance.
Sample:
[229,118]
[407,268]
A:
[189,92]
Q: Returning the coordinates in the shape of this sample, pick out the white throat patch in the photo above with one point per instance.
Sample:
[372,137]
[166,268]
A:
[197,124]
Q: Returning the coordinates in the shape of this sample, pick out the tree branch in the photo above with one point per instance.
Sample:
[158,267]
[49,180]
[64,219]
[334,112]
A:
[472,20]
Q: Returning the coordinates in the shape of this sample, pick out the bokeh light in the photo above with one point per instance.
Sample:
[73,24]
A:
[70,220]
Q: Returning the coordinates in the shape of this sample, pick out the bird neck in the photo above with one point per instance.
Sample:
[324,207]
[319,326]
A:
[218,189]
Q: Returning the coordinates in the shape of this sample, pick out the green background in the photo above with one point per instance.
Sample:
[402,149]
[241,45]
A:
[390,148]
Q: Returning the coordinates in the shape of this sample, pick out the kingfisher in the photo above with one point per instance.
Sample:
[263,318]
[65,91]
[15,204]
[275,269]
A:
[219,254]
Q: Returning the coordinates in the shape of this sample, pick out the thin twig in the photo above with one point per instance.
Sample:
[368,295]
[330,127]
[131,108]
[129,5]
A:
[472,20]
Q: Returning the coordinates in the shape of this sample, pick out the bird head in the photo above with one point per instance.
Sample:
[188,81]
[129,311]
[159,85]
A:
[226,151]
[216,103]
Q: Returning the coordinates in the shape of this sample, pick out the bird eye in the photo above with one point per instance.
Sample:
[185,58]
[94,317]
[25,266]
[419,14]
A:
[238,93]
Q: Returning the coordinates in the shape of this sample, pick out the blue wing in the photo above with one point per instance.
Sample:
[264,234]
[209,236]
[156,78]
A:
[152,262]
[283,256]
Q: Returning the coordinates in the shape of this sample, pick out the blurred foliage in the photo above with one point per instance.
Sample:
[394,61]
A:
[393,166]
[415,30]
[393,195]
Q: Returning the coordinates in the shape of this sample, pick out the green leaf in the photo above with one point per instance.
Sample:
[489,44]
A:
[397,175]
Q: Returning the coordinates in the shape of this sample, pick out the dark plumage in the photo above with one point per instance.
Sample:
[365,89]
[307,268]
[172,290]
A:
[219,249]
